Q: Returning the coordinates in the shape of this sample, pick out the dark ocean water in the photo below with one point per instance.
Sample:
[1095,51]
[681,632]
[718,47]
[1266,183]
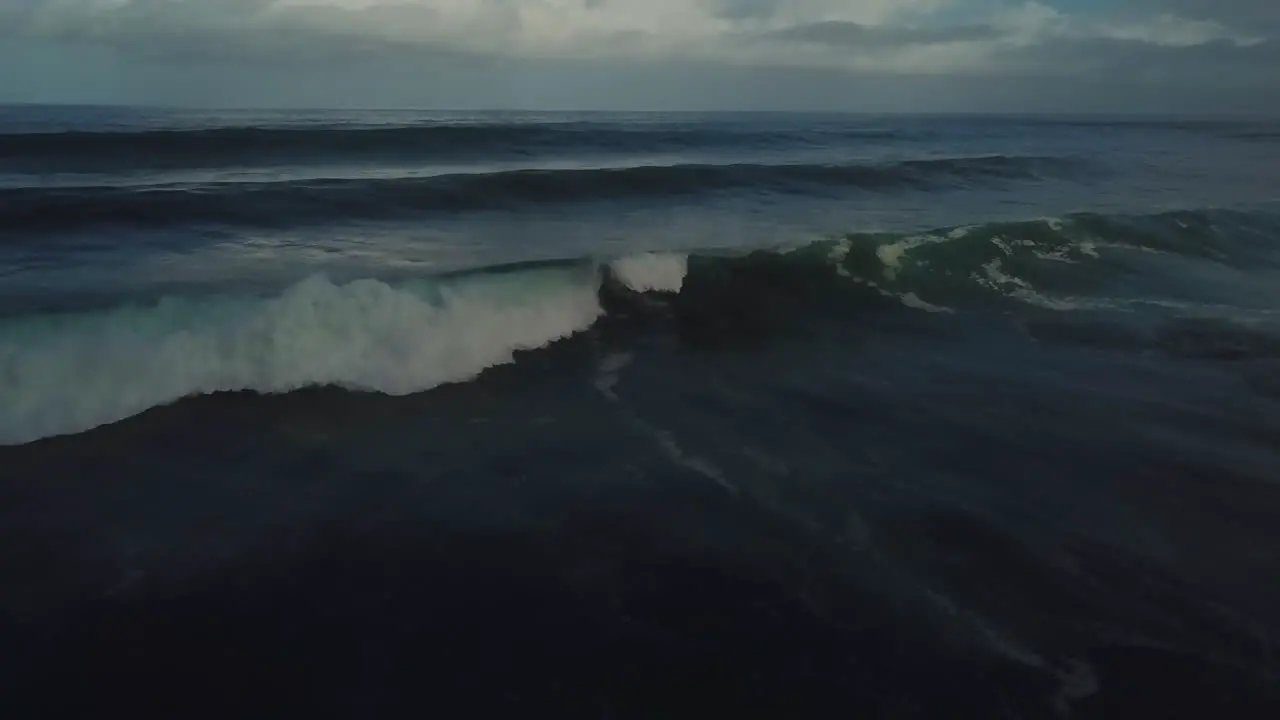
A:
[650,416]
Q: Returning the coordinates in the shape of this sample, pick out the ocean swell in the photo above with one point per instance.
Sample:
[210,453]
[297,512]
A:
[301,202]
[82,151]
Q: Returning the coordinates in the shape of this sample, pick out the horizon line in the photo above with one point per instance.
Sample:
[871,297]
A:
[634,111]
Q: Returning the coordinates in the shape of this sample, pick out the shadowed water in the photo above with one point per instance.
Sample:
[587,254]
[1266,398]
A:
[491,446]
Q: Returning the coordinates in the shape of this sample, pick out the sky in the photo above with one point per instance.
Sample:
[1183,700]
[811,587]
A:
[1189,56]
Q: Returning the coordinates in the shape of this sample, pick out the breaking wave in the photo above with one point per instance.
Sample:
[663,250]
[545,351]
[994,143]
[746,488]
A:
[67,372]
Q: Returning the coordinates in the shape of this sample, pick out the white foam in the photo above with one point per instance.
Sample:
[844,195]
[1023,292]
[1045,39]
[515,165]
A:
[912,300]
[1059,255]
[1000,281]
[652,272]
[997,276]
[676,454]
[840,250]
[839,253]
[63,374]
[891,254]
[607,373]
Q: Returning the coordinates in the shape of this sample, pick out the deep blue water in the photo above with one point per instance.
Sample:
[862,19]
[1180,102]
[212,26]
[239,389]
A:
[391,413]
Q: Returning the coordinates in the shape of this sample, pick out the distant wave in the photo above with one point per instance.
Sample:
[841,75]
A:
[67,372]
[268,146]
[308,201]
[1258,135]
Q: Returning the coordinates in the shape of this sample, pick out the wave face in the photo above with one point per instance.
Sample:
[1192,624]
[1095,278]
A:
[296,202]
[68,372]
[1079,262]
[265,146]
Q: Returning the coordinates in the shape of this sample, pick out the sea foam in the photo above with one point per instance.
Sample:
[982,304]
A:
[652,272]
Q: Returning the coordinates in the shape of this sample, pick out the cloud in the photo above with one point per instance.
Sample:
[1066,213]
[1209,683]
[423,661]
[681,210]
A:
[558,28]
[530,28]
[1028,39]
[1236,13]
[1213,43]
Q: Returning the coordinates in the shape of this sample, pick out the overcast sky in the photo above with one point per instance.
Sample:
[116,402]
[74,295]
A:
[1204,56]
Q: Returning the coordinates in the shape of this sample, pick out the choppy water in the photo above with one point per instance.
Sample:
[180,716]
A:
[638,416]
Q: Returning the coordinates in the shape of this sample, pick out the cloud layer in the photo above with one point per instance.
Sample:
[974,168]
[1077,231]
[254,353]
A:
[1211,44]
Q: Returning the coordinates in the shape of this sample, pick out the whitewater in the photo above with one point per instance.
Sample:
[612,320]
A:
[67,373]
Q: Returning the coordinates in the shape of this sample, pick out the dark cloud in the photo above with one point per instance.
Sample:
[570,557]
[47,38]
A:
[1259,18]
[1183,70]
[746,9]
[838,33]
[1243,11]
[229,30]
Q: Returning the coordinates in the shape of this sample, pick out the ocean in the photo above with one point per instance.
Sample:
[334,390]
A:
[390,414]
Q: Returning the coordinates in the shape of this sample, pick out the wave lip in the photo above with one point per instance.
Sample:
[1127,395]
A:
[270,204]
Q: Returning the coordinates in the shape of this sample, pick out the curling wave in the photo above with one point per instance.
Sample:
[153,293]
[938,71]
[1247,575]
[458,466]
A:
[65,373]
